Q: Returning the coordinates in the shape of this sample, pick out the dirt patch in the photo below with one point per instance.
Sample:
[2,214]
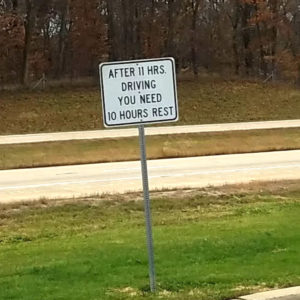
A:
[271,187]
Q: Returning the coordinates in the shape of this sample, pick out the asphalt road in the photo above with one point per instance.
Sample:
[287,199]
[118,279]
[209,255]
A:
[82,180]
[130,132]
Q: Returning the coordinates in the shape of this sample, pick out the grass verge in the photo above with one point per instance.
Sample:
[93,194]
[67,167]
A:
[204,101]
[124,149]
[209,244]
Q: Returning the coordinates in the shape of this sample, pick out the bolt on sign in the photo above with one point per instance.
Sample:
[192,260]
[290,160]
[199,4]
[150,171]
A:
[139,92]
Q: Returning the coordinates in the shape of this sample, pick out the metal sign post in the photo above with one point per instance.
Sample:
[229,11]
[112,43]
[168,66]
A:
[147,207]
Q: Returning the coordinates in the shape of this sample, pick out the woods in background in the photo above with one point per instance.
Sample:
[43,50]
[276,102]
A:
[69,38]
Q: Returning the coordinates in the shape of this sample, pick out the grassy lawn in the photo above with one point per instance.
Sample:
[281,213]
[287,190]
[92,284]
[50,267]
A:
[205,101]
[124,149]
[210,244]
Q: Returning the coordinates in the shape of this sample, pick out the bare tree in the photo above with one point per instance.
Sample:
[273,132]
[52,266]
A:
[68,38]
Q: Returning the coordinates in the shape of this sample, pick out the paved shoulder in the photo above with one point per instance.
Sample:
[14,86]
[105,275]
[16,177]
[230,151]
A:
[292,293]
[131,132]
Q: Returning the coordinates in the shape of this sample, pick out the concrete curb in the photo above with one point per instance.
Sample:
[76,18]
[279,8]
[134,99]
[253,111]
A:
[292,293]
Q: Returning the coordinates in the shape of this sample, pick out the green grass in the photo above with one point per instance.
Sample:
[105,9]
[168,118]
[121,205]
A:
[209,244]
[125,149]
[205,101]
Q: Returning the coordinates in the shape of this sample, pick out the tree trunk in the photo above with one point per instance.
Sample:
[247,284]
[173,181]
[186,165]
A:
[137,31]
[63,33]
[150,47]
[235,22]
[262,53]
[274,10]
[170,36]
[111,30]
[194,56]
[125,28]
[131,29]
[14,5]
[246,36]
[235,53]
[29,26]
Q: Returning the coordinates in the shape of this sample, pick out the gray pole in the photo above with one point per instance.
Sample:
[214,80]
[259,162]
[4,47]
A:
[147,207]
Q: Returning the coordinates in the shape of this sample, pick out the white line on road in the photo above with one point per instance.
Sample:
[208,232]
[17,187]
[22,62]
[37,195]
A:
[113,170]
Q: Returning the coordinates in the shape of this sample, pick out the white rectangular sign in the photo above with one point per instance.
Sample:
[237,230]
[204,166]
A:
[138,92]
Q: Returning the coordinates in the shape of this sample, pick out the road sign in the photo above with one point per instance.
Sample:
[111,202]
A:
[138,92]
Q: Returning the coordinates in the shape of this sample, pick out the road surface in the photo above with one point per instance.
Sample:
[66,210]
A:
[292,293]
[130,132]
[83,180]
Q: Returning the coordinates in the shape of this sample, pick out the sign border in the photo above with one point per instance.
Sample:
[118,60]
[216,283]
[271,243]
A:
[138,61]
